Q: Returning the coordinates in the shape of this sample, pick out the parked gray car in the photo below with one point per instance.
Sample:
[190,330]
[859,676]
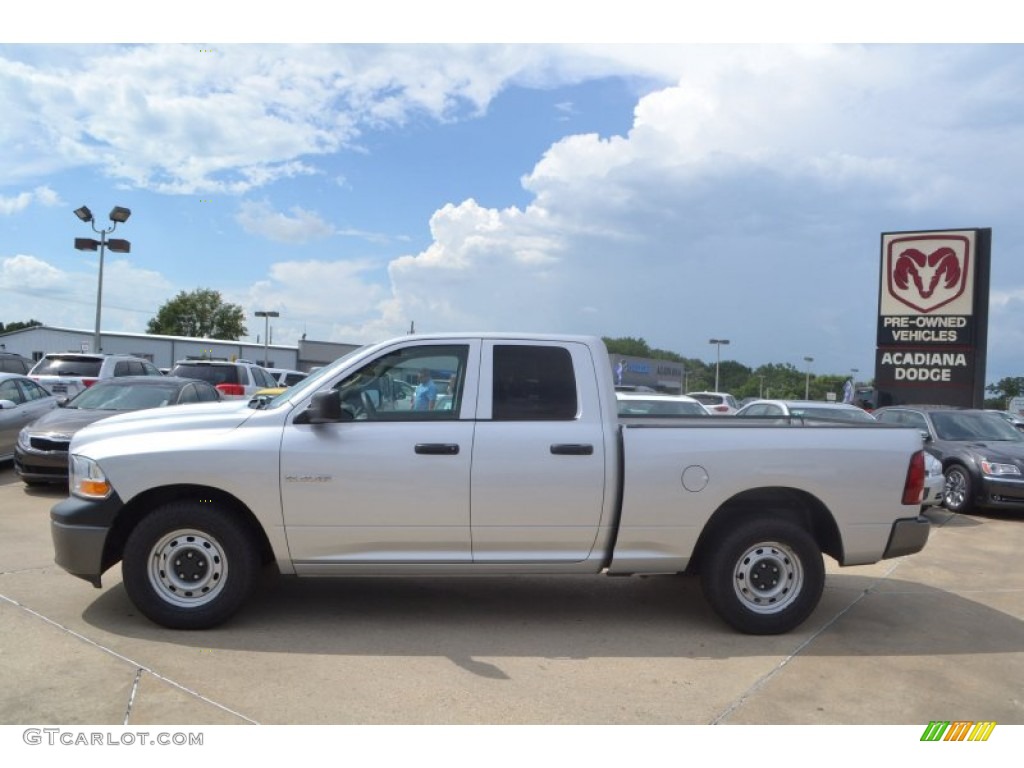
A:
[982,454]
[22,401]
[41,454]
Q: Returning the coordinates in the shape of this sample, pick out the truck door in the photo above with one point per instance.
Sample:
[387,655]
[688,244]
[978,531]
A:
[538,477]
[389,483]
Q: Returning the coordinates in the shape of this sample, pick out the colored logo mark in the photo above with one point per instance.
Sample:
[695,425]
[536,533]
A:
[958,730]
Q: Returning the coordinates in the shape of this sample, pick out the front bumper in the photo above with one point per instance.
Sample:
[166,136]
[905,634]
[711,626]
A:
[1002,492]
[47,467]
[81,529]
[908,535]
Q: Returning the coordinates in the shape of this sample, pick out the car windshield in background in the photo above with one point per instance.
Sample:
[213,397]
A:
[708,399]
[660,408]
[214,374]
[957,425]
[68,366]
[124,397]
[833,414]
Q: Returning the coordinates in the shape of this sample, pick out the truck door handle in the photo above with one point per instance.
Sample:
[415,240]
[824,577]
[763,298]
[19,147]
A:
[437,449]
[572,449]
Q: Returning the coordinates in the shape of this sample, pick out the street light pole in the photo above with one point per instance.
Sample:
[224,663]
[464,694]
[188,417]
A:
[118,215]
[807,380]
[718,358]
[266,332]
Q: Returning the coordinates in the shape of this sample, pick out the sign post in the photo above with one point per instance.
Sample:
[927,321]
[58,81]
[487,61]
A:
[933,318]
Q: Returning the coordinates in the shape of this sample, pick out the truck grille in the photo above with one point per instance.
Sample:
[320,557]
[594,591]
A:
[49,444]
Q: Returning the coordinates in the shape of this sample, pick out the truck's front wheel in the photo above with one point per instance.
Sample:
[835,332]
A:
[189,565]
[764,577]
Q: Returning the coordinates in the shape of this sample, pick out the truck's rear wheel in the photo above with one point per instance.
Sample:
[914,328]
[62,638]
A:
[764,577]
[189,565]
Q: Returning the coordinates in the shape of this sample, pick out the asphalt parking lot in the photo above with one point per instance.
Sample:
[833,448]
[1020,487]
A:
[938,635]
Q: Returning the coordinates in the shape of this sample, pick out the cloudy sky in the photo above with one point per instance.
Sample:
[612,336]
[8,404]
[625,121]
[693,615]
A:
[675,191]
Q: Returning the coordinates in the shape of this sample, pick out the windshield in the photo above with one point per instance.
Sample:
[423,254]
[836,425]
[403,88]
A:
[68,366]
[708,399]
[835,414]
[967,425]
[124,397]
[226,373]
[308,384]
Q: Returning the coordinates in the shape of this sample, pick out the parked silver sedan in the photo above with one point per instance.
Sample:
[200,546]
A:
[656,404]
[808,410]
[22,401]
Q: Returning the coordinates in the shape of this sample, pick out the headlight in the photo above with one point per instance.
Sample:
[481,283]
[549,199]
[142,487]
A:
[86,479]
[992,468]
[23,439]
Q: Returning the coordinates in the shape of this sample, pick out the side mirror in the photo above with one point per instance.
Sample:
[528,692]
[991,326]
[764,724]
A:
[324,408]
[925,436]
[7,405]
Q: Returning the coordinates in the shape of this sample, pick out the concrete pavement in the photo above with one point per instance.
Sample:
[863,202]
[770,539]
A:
[938,635]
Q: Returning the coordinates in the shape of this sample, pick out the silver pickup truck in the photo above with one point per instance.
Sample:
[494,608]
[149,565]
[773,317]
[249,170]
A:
[478,454]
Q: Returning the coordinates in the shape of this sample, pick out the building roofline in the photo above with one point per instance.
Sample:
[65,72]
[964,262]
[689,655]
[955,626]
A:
[127,335]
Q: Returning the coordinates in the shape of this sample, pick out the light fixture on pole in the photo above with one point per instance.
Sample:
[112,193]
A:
[807,380]
[718,358]
[266,331]
[118,215]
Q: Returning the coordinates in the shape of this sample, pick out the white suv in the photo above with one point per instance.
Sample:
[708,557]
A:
[65,374]
[718,403]
[235,379]
[286,377]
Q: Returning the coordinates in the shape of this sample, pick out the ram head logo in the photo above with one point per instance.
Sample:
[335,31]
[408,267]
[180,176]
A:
[926,281]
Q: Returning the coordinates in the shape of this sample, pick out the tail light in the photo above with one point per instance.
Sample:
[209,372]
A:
[913,488]
[721,408]
[88,382]
[236,390]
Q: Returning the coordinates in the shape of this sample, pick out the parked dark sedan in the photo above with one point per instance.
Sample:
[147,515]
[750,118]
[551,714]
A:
[982,454]
[41,455]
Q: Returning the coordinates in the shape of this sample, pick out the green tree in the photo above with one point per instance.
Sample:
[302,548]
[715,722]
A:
[778,381]
[1011,386]
[18,325]
[201,313]
[732,376]
[627,345]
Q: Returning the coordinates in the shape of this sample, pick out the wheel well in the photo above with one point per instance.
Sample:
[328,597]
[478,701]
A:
[146,502]
[791,504]
[958,462]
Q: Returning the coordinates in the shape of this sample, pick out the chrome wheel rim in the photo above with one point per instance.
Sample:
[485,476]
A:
[768,577]
[187,568]
[956,489]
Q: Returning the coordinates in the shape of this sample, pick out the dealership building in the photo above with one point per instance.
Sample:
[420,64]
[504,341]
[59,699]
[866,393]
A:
[659,375]
[165,351]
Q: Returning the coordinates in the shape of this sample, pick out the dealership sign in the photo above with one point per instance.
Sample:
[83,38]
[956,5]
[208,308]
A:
[933,317]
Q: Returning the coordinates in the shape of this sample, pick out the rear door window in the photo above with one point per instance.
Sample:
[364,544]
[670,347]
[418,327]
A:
[533,384]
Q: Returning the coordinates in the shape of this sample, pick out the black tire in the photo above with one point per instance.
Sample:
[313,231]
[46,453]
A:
[217,557]
[959,496]
[764,577]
